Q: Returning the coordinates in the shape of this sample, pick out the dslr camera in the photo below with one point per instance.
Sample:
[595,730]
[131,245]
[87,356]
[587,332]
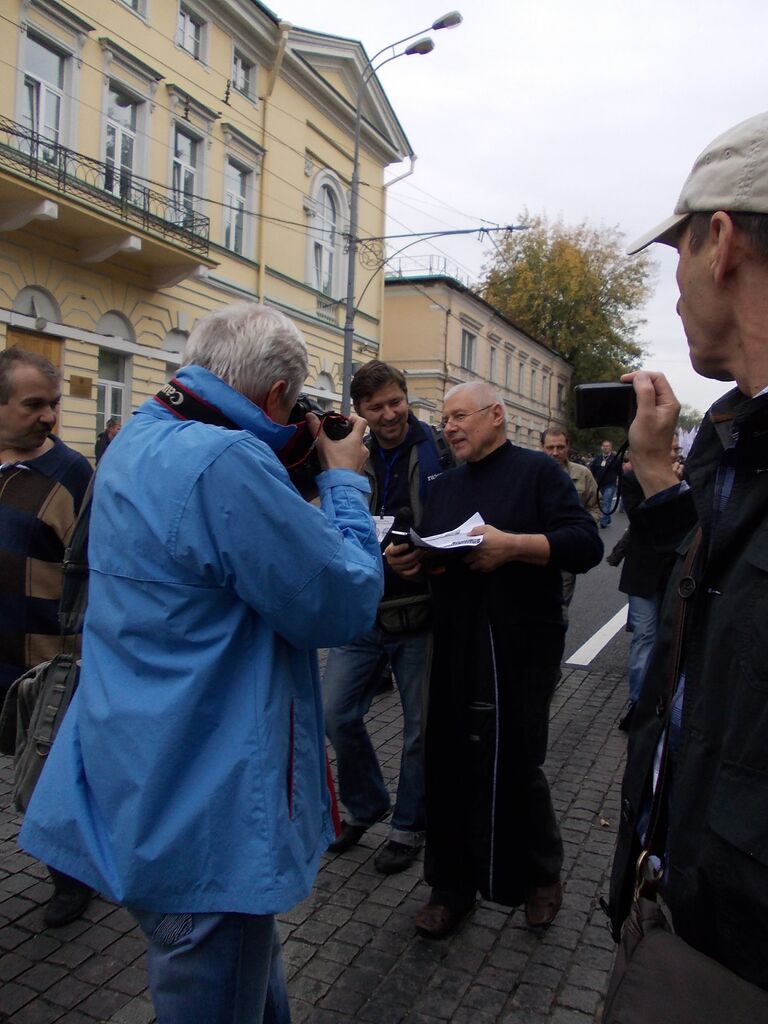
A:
[300,456]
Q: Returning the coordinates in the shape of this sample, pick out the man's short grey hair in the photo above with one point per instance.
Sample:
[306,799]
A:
[480,391]
[250,347]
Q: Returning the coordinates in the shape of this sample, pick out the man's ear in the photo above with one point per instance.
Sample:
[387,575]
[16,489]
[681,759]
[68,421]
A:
[727,247]
[274,401]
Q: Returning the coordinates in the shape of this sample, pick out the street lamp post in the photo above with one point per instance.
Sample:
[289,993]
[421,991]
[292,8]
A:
[421,46]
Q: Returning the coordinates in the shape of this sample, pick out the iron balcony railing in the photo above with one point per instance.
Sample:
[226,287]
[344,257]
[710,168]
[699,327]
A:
[105,186]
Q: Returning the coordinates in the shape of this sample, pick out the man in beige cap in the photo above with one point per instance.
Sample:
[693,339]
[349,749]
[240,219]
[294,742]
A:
[710,708]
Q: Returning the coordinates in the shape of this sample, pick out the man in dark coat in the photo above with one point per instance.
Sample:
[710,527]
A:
[715,849]
[605,469]
[498,643]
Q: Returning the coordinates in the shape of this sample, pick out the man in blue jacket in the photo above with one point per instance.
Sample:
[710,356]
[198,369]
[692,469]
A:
[188,780]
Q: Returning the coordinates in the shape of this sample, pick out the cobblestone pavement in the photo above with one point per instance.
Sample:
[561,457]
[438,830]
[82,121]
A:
[351,950]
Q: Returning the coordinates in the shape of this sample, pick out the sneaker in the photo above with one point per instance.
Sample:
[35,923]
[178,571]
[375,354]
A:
[350,836]
[66,906]
[394,857]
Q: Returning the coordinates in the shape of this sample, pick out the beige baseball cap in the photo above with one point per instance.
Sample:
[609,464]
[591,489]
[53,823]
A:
[731,174]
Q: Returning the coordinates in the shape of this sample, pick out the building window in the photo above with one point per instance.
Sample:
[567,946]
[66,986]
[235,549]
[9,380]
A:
[122,112]
[235,198]
[508,371]
[492,365]
[189,33]
[468,346]
[110,388]
[560,396]
[243,73]
[185,164]
[521,378]
[326,240]
[135,5]
[43,94]
[533,385]
[326,206]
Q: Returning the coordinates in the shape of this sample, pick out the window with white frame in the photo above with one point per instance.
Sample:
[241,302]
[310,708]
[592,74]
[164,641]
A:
[468,349]
[186,158]
[492,365]
[326,206]
[243,75]
[190,33]
[44,69]
[236,183]
[326,240]
[120,154]
[110,388]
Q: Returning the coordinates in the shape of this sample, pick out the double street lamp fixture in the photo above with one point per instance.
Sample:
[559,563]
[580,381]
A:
[420,46]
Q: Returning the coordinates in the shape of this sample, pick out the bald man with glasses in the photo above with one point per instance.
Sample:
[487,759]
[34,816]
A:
[498,643]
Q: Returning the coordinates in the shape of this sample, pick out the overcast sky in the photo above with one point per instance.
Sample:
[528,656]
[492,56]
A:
[582,109]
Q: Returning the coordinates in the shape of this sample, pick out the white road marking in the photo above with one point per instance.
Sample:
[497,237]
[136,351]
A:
[588,651]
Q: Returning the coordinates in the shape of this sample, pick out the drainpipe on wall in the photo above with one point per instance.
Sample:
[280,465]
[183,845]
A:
[282,42]
[400,177]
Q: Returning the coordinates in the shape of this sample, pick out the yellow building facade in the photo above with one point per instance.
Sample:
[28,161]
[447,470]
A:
[162,158]
[440,333]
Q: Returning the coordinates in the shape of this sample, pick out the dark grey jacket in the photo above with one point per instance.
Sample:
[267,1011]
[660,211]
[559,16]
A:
[717,882]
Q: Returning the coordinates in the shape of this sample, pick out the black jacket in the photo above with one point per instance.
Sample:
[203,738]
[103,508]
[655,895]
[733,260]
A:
[608,474]
[717,881]
[645,571]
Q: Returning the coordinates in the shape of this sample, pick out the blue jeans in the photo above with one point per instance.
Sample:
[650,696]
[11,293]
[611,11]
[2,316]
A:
[643,612]
[215,968]
[349,685]
[607,498]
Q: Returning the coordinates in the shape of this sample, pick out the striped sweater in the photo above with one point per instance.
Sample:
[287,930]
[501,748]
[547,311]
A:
[39,501]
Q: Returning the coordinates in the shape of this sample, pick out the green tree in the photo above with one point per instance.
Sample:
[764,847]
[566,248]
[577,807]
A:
[689,417]
[575,290]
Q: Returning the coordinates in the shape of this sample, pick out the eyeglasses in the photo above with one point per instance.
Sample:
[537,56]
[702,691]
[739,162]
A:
[459,417]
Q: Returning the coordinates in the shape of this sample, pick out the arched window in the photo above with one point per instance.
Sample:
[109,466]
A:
[112,385]
[325,241]
[37,302]
[327,209]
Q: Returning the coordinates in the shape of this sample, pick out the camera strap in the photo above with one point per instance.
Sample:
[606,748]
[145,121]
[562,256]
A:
[186,405]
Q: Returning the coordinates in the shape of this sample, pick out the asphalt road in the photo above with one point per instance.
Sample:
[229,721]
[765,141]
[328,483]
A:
[596,601]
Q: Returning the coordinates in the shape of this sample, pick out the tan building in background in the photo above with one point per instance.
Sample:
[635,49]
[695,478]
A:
[440,333]
[160,158]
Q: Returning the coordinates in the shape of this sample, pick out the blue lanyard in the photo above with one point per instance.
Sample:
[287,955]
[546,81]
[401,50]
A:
[389,462]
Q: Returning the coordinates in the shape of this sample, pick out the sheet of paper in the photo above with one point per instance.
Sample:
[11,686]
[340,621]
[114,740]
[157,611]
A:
[458,538]
[383,525]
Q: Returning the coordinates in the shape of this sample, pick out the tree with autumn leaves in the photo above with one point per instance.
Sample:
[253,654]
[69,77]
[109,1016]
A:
[574,289]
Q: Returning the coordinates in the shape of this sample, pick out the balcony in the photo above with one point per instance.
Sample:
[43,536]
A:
[105,191]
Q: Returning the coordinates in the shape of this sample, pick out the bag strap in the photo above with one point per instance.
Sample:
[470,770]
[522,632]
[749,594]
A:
[647,878]
[74,584]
